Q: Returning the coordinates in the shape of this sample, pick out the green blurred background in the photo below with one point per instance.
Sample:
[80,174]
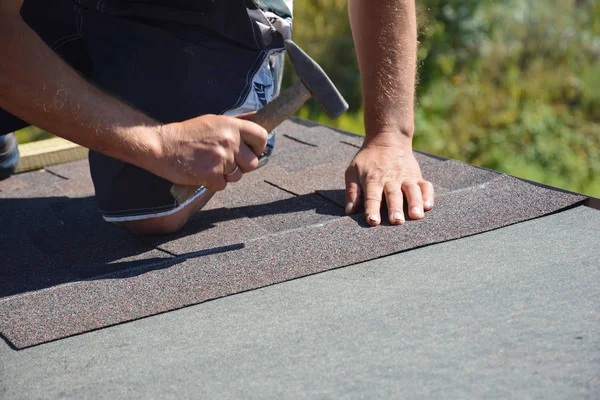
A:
[509,85]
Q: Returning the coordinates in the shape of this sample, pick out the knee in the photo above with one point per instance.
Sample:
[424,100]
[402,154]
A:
[157,226]
[170,223]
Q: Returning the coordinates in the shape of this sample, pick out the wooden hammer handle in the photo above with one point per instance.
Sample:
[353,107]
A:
[269,117]
[282,107]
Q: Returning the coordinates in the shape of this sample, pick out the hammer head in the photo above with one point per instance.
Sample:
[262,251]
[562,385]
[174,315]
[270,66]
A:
[316,81]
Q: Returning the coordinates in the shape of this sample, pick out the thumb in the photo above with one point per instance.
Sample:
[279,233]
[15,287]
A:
[353,190]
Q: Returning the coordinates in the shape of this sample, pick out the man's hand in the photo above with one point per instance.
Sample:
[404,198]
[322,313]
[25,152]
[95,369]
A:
[202,150]
[386,166]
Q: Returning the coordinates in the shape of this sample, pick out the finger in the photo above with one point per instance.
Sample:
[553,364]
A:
[217,182]
[412,191]
[395,201]
[246,159]
[427,193]
[373,191]
[234,175]
[353,190]
[254,135]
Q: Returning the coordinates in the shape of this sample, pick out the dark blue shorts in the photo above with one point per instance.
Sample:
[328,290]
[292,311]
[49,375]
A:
[164,62]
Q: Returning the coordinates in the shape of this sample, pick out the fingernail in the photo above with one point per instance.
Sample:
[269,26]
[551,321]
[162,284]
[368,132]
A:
[398,216]
[416,211]
[428,204]
[374,218]
[349,207]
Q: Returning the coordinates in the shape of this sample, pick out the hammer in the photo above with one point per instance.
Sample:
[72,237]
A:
[313,83]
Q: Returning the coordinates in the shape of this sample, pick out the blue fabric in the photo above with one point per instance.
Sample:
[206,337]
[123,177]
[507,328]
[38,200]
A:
[9,155]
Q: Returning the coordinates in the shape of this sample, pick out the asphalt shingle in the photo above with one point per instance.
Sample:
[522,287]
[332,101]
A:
[281,222]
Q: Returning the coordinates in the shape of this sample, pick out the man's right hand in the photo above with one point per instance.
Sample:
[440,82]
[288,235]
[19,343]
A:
[202,150]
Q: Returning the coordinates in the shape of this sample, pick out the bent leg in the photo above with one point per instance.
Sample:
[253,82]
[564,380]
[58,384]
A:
[186,79]
[169,223]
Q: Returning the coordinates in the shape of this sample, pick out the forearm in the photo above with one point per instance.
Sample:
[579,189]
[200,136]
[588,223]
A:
[40,88]
[385,38]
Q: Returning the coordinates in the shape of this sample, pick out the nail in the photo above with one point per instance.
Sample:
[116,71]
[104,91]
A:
[374,218]
[349,207]
[428,205]
[416,211]
[398,216]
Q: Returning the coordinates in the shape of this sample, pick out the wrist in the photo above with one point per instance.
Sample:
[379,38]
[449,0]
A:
[390,138]
[390,124]
[146,146]
[156,140]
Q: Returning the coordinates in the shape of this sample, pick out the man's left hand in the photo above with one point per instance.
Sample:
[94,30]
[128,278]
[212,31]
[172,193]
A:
[386,166]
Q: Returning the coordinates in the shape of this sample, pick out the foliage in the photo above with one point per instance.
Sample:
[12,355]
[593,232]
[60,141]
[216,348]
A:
[450,37]
[31,134]
[328,39]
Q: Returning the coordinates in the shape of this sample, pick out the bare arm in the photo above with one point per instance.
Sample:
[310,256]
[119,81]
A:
[38,86]
[385,37]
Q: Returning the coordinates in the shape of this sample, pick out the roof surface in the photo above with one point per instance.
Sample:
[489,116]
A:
[511,313]
[66,272]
